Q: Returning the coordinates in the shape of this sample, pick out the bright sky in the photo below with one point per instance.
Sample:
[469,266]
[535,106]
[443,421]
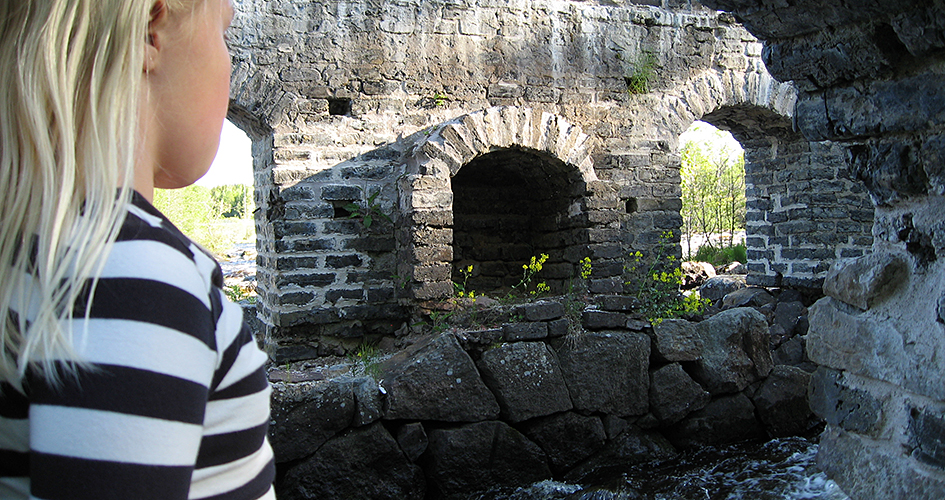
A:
[702,132]
[234,161]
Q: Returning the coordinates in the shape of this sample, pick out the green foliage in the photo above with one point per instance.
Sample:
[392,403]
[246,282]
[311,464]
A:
[234,200]
[237,293]
[655,284]
[366,361]
[722,256]
[198,212]
[460,288]
[642,73]
[713,189]
[366,212]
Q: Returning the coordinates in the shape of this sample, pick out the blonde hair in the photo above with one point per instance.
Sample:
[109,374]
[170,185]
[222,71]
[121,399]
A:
[71,75]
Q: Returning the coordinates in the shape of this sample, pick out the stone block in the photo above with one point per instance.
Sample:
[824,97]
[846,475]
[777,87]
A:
[735,351]
[840,405]
[727,419]
[781,401]
[566,438]
[864,281]
[542,310]
[309,414]
[361,460]
[673,394]
[603,320]
[607,372]
[435,379]
[480,456]
[526,380]
[513,332]
[677,340]
[413,440]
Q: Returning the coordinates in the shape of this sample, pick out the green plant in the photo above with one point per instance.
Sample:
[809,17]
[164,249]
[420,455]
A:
[439,319]
[460,288]
[237,293]
[575,297]
[721,256]
[642,73]
[366,360]
[657,287]
[530,270]
[367,211]
[439,99]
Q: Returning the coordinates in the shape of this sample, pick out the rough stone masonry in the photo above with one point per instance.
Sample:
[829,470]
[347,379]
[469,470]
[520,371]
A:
[871,78]
[493,131]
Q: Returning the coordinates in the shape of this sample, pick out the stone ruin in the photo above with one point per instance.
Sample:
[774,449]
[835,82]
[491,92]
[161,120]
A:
[491,131]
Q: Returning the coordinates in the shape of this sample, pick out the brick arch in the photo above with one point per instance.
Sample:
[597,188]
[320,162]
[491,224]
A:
[438,153]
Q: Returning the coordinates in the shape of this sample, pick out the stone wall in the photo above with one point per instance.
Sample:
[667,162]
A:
[525,400]
[869,75]
[415,106]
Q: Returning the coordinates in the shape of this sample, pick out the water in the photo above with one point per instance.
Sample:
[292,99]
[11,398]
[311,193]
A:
[780,469]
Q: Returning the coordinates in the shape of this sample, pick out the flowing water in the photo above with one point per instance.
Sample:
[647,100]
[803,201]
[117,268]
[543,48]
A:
[780,469]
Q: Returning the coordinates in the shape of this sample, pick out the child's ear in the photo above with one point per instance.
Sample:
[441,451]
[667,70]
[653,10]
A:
[156,22]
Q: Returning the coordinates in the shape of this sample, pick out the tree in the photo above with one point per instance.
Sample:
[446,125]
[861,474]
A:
[713,188]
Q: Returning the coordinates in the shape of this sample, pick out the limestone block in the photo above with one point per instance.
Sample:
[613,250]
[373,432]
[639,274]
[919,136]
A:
[542,310]
[512,332]
[842,406]
[677,340]
[864,468]
[435,379]
[479,456]
[607,372]
[735,350]
[673,394]
[717,287]
[867,280]
[633,446]
[603,320]
[526,380]
[364,462]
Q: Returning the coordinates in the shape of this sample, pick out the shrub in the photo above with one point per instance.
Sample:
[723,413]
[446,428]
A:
[721,256]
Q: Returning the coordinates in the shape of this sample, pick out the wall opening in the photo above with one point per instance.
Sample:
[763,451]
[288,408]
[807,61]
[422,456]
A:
[508,206]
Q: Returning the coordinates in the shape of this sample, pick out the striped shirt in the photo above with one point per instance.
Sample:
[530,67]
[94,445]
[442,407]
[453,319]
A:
[175,402]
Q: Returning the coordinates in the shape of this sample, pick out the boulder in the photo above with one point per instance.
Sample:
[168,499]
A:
[606,372]
[719,286]
[747,297]
[673,394]
[727,419]
[364,462]
[781,401]
[435,379]
[788,316]
[735,351]
[677,340]
[526,380]
[567,438]
[476,457]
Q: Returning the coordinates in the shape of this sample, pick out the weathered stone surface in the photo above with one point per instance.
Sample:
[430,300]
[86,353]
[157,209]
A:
[673,394]
[413,441]
[360,463]
[840,405]
[781,402]
[695,274]
[735,351]
[512,332]
[677,340]
[567,438]
[792,353]
[543,310]
[844,338]
[526,380]
[436,380]
[726,419]
[607,372]
[603,320]
[788,314]
[618,303]
[866,469]
[927,437]
[308,414]
[717,287]
[369,405]
[476,457]
[863,281]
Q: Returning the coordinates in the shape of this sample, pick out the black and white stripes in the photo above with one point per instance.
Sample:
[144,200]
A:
[174,402]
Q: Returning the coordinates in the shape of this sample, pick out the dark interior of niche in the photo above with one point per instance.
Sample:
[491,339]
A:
[339,107]
[341,212]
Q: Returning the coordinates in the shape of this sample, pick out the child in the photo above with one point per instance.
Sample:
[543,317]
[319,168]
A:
[125,373]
